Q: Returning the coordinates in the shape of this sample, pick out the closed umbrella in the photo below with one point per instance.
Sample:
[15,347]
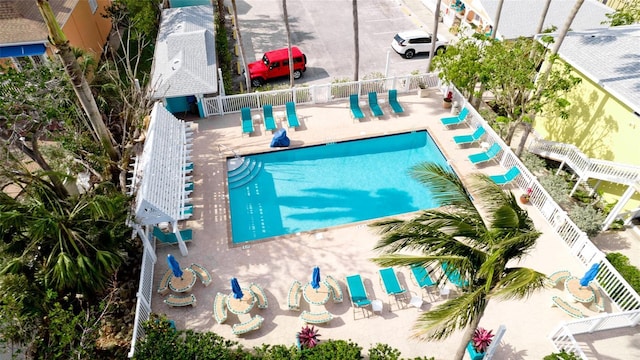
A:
[590,275]
[235,287]
[174,266]
[315,278]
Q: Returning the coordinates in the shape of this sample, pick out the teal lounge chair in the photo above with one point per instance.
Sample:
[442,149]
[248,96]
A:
[485,156]
[357,294]
[170,238]
[393,102]
[356,112]
[292,117]
[507,177]
[453,275]
[391,285]
[247,122]
[376,111]
[455,120]
[470,139]
[269,121]
[422,278]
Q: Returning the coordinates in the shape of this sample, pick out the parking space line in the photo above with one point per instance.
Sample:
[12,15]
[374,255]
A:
[413,18]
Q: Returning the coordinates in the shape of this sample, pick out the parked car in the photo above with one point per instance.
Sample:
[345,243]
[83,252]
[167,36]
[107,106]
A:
[409,43]
[275,64]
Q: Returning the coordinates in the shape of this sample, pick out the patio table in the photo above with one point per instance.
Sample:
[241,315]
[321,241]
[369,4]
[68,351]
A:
[183,284]
[318,296]
[578,292]
[241,306]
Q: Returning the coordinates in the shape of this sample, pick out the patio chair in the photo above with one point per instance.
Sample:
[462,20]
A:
[455,120]
[292,117]
[220,308]
[598,301]
[246,121]
[356,112]
[180,300]
[202,274]
[163,287]
[170,238]
[566,307]
[357,294]
[269,121]
[508,177]
[470,139]
[391,285]
[316,318]
[376,111]
[393,102]
[558,277]
[260,295]
[485,156]
[336,291]
[453,275]
[295,293]
[421,278]
[252,324]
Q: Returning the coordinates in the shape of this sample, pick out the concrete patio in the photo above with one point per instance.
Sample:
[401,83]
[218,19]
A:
[345,250]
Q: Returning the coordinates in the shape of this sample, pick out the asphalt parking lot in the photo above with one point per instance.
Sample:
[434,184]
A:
[323,30]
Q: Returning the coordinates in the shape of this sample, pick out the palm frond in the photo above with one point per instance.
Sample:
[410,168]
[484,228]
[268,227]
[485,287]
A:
[453,315]
[446,187]
[518,283]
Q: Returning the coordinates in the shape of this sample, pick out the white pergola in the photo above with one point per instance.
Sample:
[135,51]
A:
[159,176]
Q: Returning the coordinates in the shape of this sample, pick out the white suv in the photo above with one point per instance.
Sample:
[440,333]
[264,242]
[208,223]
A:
[409,43]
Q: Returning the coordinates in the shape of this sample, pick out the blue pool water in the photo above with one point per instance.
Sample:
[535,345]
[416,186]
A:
[316,187]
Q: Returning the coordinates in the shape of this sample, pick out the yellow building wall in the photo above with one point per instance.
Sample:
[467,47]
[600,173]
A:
[87,30]
[601,127]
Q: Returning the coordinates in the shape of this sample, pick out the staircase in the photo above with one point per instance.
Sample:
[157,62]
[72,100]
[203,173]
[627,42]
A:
[585,167]
[242,170]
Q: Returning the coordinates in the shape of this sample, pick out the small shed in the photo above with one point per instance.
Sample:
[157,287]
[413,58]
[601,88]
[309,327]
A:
[184,65]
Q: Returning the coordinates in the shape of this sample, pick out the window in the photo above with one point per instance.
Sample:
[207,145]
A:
[93,4]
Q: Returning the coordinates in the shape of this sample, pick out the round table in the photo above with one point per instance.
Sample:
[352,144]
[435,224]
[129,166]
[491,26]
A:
[241,306]
[318,296]
[578,293]
[183,284]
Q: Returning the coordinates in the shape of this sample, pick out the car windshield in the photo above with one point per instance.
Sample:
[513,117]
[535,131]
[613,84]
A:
[399,39]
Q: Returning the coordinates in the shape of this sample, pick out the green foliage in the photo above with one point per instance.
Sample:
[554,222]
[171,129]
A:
[629,272]
[627,15]
[334,349]
[277,352]
[587,218]
[460,65]
[562,355]
[141,16]
[225,59]
[557,187]
[533,162]
[383,352]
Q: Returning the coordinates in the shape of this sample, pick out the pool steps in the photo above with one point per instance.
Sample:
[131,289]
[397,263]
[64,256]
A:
[244,173]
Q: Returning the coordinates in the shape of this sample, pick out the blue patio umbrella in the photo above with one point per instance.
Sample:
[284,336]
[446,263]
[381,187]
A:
[235,287]
[174,266]
[590,275]
[315,278]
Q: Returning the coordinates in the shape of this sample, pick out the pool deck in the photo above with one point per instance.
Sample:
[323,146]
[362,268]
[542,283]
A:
[346,250]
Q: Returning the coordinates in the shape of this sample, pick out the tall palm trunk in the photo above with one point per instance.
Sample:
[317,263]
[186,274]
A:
[80,85]
[356,40]
[434,35]
[543,16]
[544,73]
[497,19]
[242,56]
[286,25]
[468,334]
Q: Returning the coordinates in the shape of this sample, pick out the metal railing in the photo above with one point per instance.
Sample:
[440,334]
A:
[316,94]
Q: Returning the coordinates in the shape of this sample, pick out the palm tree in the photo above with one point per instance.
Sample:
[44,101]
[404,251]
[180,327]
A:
[434,34]
[80,85]
[72,244]
[479,247]
[287,27]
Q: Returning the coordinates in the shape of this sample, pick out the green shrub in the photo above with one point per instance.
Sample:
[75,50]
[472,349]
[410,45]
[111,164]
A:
[277,352]
[563,355]
[383,352]
[533,162]
[557,187]
[587,218]
[629,272]
[333,349]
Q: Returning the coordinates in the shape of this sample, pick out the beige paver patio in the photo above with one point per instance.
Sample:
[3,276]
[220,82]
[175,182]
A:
[343,250]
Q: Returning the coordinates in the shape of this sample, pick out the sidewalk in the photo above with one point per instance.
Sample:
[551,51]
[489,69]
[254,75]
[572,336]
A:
[423,18]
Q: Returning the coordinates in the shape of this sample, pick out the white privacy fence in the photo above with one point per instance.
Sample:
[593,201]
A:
[316,94]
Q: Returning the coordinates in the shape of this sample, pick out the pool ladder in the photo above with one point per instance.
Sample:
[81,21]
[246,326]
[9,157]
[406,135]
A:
[241,175]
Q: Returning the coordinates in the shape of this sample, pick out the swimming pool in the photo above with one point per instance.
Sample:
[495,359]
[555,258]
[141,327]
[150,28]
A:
[290,191]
